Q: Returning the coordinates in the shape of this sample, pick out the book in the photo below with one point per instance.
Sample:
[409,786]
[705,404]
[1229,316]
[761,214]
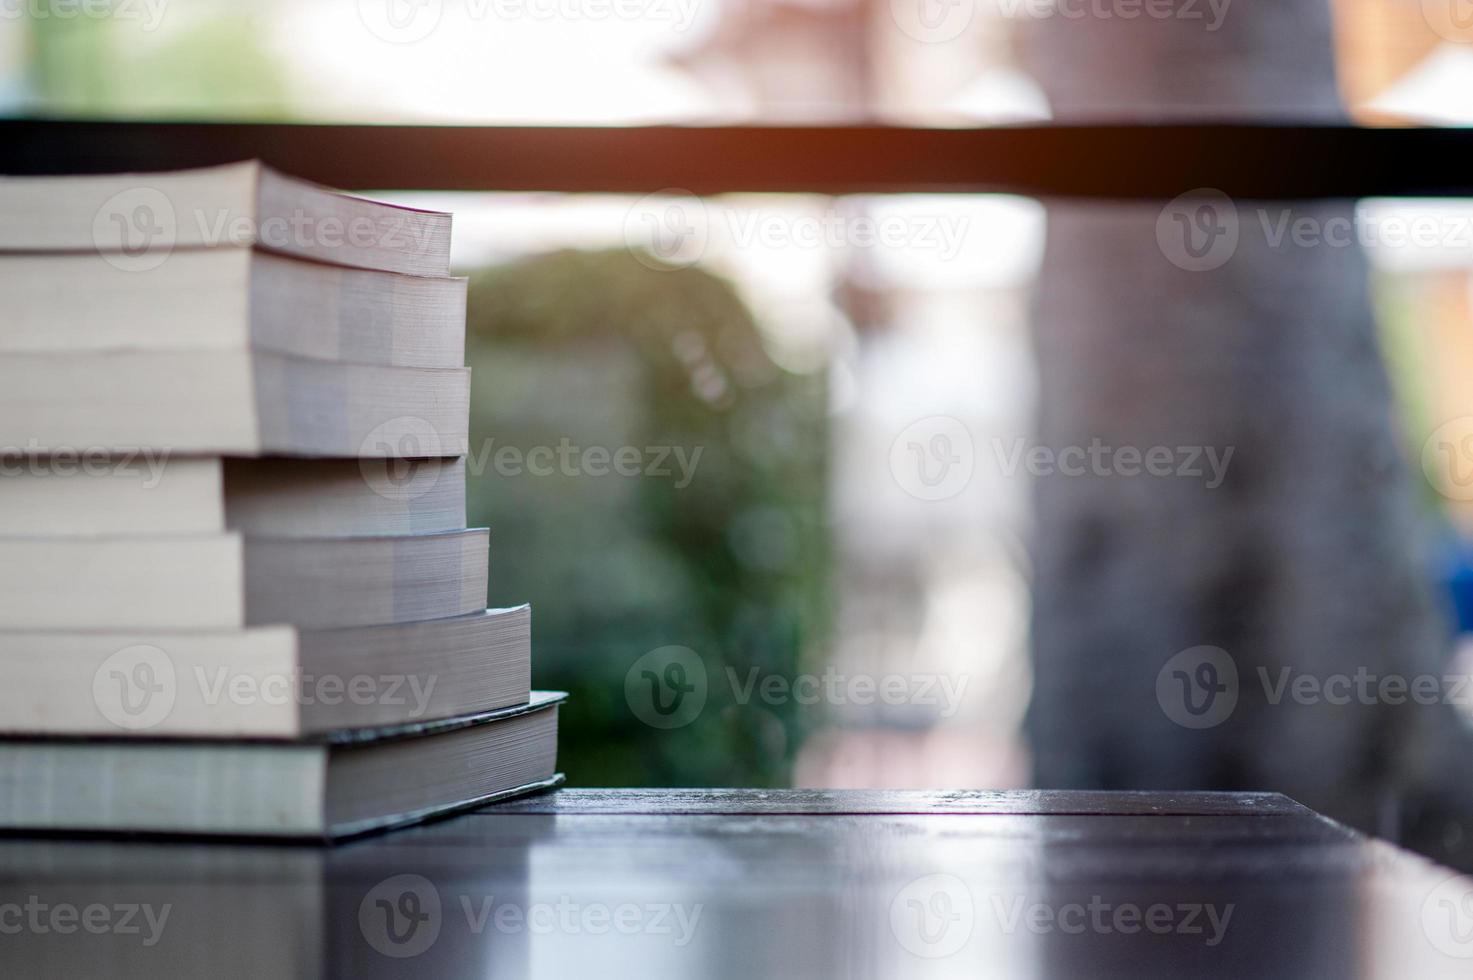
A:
[154,493]
[238,596]
[144,218]
[341,784]
[231,299]
[229,403]
[230,581]
[264,682]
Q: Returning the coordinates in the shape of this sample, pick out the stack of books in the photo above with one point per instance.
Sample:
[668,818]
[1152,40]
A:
[238,595]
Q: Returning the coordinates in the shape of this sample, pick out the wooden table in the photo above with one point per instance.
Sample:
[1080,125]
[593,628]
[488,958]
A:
[759,884]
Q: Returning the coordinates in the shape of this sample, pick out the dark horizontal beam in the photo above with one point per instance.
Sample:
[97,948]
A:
[1126,161]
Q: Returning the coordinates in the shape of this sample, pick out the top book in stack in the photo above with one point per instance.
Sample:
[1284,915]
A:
[241,204]
[229,311]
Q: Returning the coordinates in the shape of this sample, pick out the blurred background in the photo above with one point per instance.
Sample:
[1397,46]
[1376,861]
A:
[828,406]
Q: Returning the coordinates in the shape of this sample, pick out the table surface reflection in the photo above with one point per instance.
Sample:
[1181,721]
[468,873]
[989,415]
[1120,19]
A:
[747,883]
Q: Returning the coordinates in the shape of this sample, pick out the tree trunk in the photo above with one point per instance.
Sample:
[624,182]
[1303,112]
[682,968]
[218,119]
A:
[1305,556]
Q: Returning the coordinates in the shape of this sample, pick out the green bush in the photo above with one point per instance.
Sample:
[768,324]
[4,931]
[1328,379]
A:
[596,349]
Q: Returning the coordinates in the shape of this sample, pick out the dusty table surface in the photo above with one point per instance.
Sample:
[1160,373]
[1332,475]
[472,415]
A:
[758,883]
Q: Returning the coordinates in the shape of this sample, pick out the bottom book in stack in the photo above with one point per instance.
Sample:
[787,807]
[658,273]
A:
[276,732]
[340,784]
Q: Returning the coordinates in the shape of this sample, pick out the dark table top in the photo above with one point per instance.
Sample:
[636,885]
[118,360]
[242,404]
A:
[749,883]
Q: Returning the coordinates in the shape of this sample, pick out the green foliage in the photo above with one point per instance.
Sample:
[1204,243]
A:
[1403,313]
[595,349]
[97,66]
